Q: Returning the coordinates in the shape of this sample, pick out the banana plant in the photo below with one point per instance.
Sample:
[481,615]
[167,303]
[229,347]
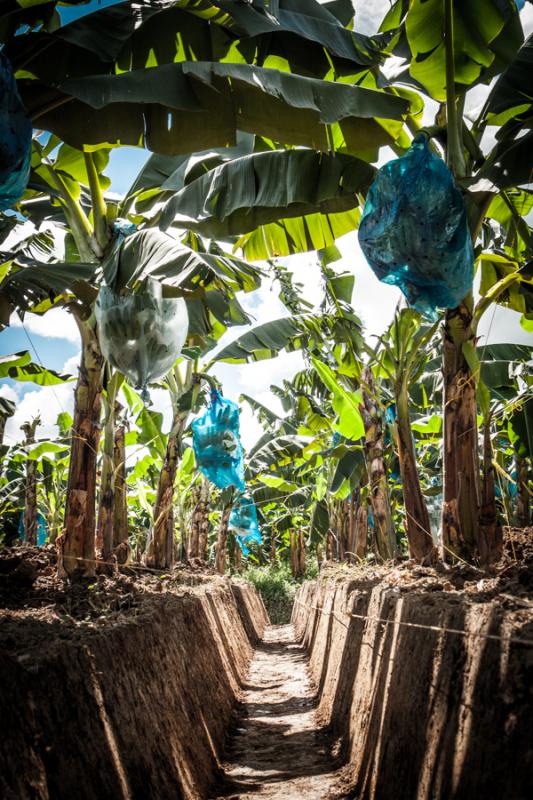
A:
[30,498]
[54,467]
[493,185]
[401,356]
[204,274]
[106,510]
[504,389]
[327,96]
[121,546]
[7,409]
[183,389]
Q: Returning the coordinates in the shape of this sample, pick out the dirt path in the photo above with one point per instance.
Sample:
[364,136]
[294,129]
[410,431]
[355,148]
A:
[278,750]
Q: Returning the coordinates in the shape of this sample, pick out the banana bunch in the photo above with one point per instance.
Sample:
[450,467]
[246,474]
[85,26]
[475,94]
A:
[217,445]
[141,334]
[244,523]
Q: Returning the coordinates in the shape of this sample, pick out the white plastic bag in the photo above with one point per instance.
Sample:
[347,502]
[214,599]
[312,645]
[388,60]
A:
[141,333]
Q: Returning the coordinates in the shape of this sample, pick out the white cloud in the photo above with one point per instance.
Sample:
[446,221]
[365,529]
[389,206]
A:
[251,428]
[161,402]
[502,325]
[8,392]
[372,300]
[71,365]
[55,324]
[46,402]
[368,16]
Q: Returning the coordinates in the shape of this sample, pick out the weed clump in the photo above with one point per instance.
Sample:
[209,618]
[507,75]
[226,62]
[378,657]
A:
[277,587]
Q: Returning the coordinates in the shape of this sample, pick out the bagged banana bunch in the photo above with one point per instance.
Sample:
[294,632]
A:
[414,231]
[15,139]
[243,522]
[141,333]
[217,444]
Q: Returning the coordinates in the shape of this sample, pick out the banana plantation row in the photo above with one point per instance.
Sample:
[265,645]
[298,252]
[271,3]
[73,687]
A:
[265,125]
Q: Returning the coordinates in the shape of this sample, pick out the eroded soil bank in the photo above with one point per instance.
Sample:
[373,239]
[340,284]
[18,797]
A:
[407,683]
[124,689]
[420,710]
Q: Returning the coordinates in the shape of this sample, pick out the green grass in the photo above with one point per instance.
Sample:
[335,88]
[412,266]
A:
[277,588]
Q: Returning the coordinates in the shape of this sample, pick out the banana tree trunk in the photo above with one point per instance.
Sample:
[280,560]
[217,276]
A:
[330,545]
[76,546]
[297,554]
[490,529]
[343,534]
[170,541]
[193,545]
[121,547]
[273,548]
[361,532]
[523,507]
[30,499]
[3,421]
[165,495]
[418,526]
[338,529]
[350,540]
[319,557]
[301,553]
[106,510]
[222,540]
[385,539]
[460,510]
[237,556]
[203,532]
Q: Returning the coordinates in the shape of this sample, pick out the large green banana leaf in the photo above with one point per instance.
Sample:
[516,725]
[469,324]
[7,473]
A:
[319,523]
[269,452]
[20,367]
[31,284]
[297,332]
[486,36]
[303,33]
[7,407]
[512,93]
[193,106]
[165,174]
[269,339]
[297,234]
[20,14]
[245,193]
[151,252]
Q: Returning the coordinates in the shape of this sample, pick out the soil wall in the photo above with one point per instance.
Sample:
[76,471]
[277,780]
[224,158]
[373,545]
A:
[136,709]
[421,713]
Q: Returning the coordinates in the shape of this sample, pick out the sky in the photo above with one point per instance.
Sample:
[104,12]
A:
[54,341]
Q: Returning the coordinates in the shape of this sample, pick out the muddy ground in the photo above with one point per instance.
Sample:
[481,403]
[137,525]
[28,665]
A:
[161,685]
[424,676]
[123,688]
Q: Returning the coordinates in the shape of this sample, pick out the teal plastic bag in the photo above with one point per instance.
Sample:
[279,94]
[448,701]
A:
[42,533]
[15,139]
[414,231]
[217,444]
[243,522]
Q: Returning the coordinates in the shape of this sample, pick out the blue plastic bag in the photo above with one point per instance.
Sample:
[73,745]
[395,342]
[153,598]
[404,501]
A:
[243,522]
[217,444]
[15,139]
[414,231]
[41,529]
